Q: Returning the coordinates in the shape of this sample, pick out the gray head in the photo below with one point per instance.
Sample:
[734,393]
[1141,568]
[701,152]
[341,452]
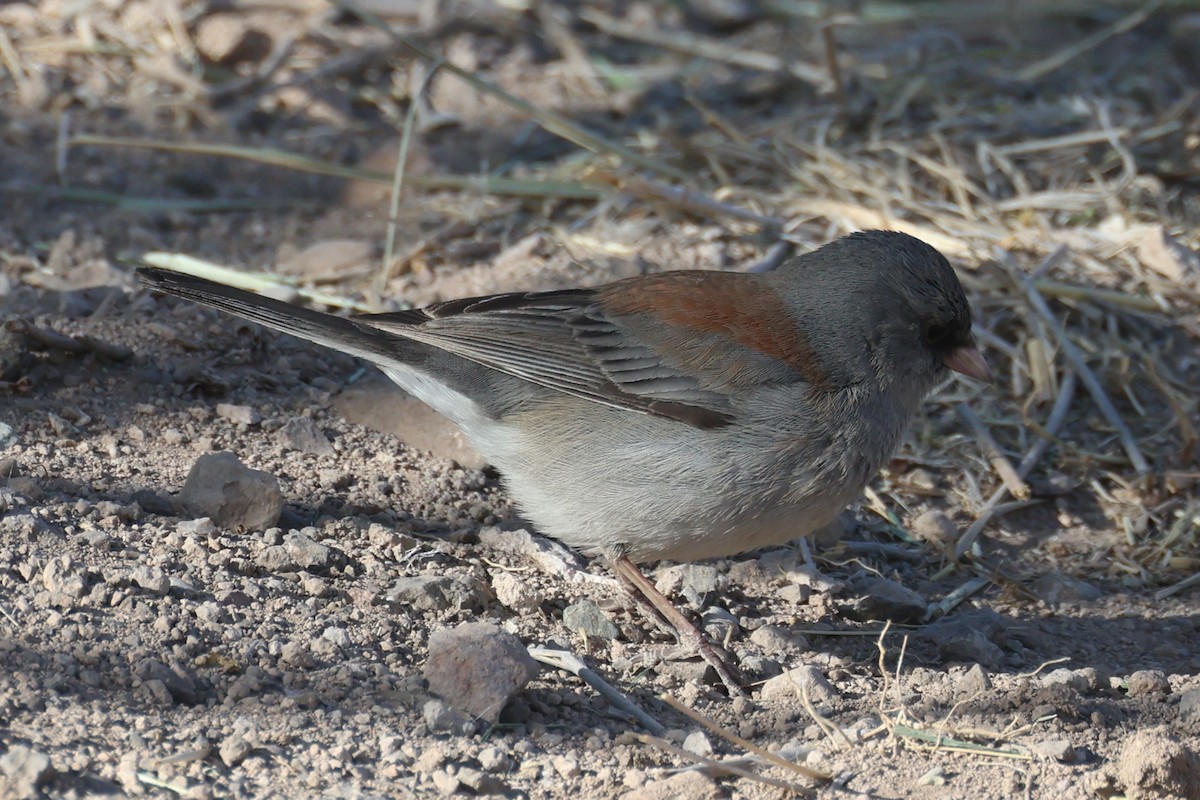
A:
[884,305]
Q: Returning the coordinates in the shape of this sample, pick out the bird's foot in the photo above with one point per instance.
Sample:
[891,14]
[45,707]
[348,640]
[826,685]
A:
[660,609]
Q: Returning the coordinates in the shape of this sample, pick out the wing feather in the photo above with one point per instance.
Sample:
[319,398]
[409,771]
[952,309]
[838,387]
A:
[562,341]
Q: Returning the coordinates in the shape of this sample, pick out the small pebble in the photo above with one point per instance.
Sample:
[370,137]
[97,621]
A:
[1058,749]
[788,685]
[234,749]
[239,415]
[231,494]
[477,668]
[587,617]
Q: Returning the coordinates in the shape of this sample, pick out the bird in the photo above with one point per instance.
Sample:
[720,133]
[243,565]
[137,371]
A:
[680,415]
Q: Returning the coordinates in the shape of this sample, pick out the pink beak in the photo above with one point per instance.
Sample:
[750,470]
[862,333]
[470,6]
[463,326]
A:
[968,361]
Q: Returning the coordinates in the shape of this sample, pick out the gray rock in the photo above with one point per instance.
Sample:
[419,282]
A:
[493,759]
[777,639]
[152,579]
[153,502]
[1155,764]
[178,682]
[477,668]
[965,639]
[314,586]
[566,766]
[438,592]
[1056,589]
[791,683]
[1058,749]
[441,718]
[934,777]
[202,527]
[1071,678]
[182,586]
[391,747]
[275,558]
[231,494]
[880,599]
[127,774]
[795,593]
[1147,682]
[21,523]
[719,624]
[697,742]
[691,785]
[335,479]
[481,783]
[553,558]
[514,593]
[22,771]
[97,539]
[301,433]
[1189,710]
[306,553]
[445,783]
[234,749]
[212,612]
[337,636]
[588,617]
[230,39]
[694,582]
[1097,680]
[296,654]
[974,681]
[63,576]
[239,415]
[813,579]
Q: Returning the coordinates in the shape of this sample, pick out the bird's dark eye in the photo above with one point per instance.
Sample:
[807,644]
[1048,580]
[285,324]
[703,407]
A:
[936,333]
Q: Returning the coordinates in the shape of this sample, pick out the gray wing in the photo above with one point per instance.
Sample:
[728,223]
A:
[563,341]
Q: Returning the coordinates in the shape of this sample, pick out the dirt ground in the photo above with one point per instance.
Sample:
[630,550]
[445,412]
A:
[144,651]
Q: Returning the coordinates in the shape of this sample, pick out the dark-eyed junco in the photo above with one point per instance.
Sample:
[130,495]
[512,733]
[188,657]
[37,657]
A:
[681,415]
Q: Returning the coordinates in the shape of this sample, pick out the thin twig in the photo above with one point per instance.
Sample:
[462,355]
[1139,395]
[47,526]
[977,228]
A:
[830,729]
[702,47]
[779,253]
[829,40]
[276,157]
[566,660]
[551,121]
[1080,139]
[719,767]
[1004,468]
[695,716]
[1066,393]
[1085,373]
[687,199]
[1176,588]
[1054,61]
[952,600]
[410,119]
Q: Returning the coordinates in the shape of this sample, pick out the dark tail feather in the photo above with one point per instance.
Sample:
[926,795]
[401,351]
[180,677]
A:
[315,326]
